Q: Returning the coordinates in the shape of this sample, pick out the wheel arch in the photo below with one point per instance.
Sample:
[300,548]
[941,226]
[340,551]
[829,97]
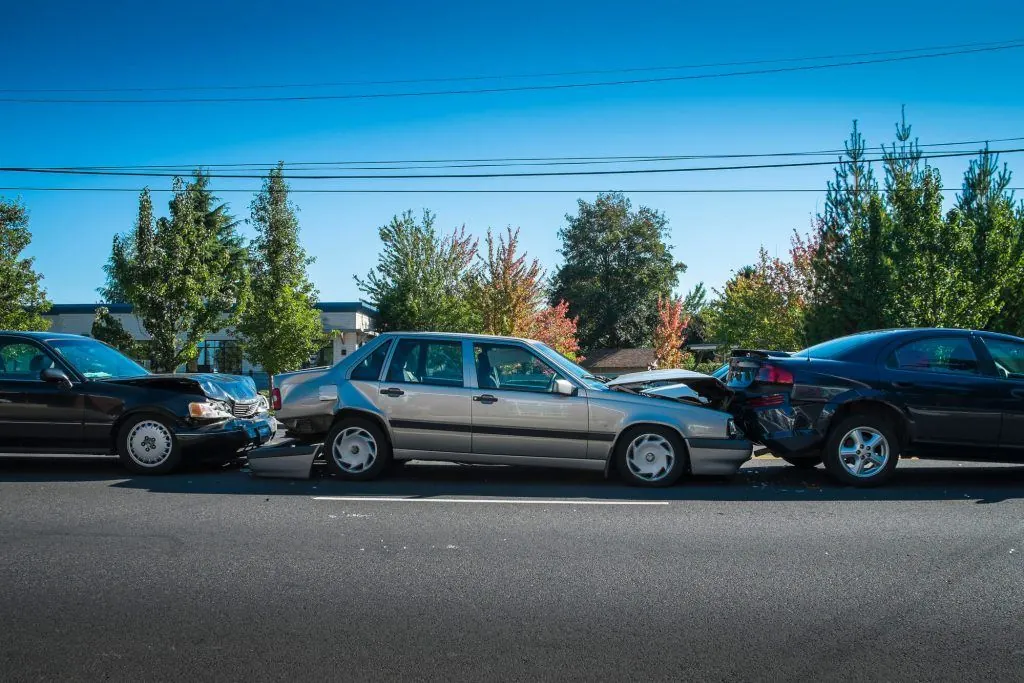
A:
[141,411]
[873,406]
[373,417]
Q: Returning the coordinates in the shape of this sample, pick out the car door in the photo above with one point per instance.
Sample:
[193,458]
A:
[1008,357]
[515,410]
[35,415]
[424,395]
[941,382]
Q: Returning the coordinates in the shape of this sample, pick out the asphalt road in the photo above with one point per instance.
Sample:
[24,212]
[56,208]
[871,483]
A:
[512,574]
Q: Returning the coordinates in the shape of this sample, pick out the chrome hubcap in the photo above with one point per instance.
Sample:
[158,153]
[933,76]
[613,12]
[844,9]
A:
[650,457]
[149,443]
[864,452]
[354,449]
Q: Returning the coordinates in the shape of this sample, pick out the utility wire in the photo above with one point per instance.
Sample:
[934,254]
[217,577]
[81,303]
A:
[521,88]
[529,174]
[466,191]
[548,74]
[500,162]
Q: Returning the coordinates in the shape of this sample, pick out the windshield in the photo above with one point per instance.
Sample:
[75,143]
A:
[95,360]
[577,371]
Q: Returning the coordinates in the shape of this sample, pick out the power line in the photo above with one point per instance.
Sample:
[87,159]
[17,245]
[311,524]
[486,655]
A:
[499,161]
[496,77]
[530,174]
[520,88]
[466,191]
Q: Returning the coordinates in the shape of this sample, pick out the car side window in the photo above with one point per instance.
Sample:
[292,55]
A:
[938,354]
[1008,357]
[511,368]
[368,369]
[22,361]
[426,361]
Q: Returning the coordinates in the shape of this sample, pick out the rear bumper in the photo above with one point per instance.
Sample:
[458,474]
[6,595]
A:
[718,456]
[227,438]
[788,430]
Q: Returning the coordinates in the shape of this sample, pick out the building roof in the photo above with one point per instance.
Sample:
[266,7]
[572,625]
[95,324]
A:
[42,336]
[619,358]
[324,306]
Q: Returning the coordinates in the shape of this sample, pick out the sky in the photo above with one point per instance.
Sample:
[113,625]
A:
[62,45]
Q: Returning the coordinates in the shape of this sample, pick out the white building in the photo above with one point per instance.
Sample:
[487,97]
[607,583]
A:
[352,322]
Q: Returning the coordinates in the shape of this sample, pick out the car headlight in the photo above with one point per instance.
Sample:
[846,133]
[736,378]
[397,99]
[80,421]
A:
[209,410]
[262,402]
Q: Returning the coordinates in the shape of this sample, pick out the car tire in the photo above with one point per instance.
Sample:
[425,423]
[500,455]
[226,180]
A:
[357,450]
[862,450]
[650,456]
[146,444]
[803,463]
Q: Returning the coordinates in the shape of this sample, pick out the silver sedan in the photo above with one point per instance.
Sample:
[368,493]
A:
[482,399]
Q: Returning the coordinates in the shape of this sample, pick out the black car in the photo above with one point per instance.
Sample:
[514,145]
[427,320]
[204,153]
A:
[62,393]
[860,402]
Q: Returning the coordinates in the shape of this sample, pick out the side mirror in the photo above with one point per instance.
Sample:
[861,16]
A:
[564,387]
[57,376]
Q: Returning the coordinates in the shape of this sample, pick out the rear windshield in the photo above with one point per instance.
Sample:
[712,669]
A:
[837,349]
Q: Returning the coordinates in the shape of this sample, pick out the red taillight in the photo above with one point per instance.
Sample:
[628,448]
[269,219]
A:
[275,399]
[772,374]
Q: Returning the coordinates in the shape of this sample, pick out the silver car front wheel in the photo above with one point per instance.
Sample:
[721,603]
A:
[650,456]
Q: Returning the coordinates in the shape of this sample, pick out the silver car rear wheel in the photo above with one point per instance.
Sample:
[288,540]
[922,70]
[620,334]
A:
[354,450]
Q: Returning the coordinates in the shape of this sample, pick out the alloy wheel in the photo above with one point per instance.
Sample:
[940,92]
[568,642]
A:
[864,452]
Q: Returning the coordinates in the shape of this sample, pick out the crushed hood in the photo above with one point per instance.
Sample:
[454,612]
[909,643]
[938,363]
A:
[217,386]
[673,384]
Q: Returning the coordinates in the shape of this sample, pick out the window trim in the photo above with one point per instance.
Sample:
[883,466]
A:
[423,341]
[890,357]
[559,373]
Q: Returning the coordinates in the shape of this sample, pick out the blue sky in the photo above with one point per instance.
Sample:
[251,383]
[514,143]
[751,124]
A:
[76,45]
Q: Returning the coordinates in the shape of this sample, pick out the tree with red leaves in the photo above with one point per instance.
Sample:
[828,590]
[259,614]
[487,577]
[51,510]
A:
[553,326]
[670,333]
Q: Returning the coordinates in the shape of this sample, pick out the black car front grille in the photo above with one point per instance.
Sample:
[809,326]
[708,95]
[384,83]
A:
[245,408]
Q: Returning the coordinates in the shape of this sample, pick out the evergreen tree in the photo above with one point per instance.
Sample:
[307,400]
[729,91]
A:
[185,275]
[281,328]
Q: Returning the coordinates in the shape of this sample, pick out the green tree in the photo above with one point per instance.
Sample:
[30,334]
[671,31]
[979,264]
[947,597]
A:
[109,329]
[281,327]
[508,287]
[422,280]
[761,307]
[617,264]
[843,268]
[22,298]
[926,251]
[987,210]
[186,275]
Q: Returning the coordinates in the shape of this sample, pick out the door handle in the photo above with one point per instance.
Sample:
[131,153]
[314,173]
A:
[393,392]
[903,385]
[1017,393]
[486,398]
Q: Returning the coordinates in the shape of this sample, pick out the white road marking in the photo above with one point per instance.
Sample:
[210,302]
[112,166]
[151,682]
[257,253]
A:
[499,501]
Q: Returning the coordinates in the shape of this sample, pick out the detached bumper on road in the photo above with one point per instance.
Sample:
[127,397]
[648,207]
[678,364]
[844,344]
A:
[230,436]
[718,456]
[287,461]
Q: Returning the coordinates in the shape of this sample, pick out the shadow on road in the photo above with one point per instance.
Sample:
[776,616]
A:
[759,480]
